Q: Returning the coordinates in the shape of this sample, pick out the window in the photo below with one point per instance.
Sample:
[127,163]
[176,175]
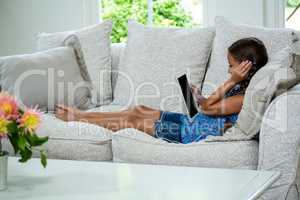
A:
[292,14]
[177,13]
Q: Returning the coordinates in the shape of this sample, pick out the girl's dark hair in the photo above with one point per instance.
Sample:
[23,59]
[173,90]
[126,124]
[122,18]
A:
[251,49]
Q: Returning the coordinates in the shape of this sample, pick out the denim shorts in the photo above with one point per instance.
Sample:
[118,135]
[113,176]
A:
[180,128]
[168,127]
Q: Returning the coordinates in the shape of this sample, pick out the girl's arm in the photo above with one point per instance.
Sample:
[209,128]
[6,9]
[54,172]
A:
[218,94]
[238,73]
[228,106]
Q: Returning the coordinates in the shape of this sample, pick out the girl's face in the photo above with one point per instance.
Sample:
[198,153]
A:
[232,62]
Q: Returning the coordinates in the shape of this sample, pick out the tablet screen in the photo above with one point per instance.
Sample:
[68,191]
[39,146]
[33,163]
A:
[187,95]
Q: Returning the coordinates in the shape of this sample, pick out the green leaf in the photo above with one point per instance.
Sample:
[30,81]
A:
[21,143]
[13,135]
[34,140]
[43,158]
[13,138]
[25,155]
[13,127]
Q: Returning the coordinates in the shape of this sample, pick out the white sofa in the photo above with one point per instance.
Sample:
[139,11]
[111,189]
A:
[274,150]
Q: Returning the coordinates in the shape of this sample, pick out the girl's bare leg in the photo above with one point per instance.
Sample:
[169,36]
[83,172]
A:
[138,117]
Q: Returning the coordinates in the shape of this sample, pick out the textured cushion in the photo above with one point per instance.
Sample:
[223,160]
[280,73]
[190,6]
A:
[75,140]
[296,51]
[297,33]
[117,50]
[72,140]
[271,80]
[226,34]
[297,63]
[131,145]
[152,60]
[95,44]
[46,78]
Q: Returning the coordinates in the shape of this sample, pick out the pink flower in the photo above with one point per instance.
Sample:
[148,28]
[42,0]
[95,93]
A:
[30,120]
[8,106]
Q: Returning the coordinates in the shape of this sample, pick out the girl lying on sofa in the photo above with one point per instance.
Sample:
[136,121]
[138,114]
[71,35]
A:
[218,112]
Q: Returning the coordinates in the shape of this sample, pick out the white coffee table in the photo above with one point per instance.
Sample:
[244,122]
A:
[72,180]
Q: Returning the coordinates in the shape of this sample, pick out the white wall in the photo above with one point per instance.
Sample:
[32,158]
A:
[21,20]
[239,11]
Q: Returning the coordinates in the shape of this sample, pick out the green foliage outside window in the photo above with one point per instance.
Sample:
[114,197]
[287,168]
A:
[293,3]
[165,13]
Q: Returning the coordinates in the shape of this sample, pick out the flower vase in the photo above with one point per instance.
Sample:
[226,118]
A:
[3,170]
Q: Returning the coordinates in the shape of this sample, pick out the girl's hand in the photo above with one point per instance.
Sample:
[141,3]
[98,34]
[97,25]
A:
[195,90]
[199,98]
[240,72]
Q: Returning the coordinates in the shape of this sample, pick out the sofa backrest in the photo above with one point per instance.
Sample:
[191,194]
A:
[118,48]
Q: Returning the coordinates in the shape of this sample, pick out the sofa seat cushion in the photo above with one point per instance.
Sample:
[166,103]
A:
[131,145]
[75,140]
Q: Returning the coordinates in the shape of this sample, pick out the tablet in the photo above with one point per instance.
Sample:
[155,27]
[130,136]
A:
[188,95]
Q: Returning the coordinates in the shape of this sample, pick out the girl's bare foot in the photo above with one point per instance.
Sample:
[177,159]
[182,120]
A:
[67,113]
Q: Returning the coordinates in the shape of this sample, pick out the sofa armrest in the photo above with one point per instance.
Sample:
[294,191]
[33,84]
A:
[279,142]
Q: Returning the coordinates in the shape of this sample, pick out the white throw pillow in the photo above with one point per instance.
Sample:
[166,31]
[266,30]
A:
[296,58]
[154,57]
[226,34]
[95,44]
[296,51]
[46,79]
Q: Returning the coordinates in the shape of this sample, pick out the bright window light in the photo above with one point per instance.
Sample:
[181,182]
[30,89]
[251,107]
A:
[171,13]
[292,14]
